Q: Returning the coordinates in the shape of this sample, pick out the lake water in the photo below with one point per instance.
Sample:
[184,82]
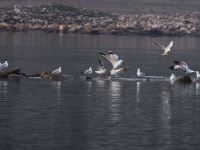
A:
[76,114]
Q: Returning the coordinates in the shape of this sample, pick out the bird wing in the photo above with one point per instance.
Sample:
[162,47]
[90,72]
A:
[180,63]
[159,45]
[170,45]
[113,58]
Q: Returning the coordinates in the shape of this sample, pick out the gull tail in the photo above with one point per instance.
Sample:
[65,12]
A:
[171,67]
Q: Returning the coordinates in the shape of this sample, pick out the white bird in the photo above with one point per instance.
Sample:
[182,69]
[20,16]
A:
[139,73]
[116,72]
[3,65]
[198,75]
[113,58]
[180,65]
[88,71]
[172,77]
[57,71]
[165,49]
[100,69]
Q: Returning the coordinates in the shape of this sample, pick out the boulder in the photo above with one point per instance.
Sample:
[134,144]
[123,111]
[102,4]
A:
[185,79]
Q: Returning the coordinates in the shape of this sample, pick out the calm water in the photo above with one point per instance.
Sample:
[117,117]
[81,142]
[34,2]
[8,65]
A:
[97,115]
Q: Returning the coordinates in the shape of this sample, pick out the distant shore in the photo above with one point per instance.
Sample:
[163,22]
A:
[64,19]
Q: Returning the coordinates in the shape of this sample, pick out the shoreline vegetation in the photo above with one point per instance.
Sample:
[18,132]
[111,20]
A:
[68,19]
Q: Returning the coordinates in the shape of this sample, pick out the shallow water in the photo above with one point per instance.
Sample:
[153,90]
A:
[97,114]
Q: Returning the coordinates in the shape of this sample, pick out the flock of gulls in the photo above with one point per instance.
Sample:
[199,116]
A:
[117,68]
[16,73]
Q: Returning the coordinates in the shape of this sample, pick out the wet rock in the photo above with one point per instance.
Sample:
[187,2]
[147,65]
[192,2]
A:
[185,79]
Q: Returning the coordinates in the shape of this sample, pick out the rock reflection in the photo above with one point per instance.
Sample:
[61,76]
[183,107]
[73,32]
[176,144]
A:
[114,93]
[182,90]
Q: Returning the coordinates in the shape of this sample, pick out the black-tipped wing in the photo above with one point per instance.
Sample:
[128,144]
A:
[159,45]
[112,57]
[180,63]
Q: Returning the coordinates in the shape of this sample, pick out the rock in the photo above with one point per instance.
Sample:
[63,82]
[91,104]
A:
[185,79]
[14,76]
[61,18]
[6,73]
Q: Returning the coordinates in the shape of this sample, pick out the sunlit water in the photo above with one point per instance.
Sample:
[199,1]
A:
[99,114]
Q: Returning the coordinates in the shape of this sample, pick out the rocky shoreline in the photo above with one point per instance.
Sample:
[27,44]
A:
[64,19]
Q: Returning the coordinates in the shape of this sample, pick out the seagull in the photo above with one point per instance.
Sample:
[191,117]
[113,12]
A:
[172,77]
[57,71]
[87,72]
[100,70]
[113,58]
[3,65]
[180,65]
[198,75]
[139,73]
[166,49]
[116,72]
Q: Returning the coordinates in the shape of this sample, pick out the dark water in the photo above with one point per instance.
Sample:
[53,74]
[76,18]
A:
[86,115]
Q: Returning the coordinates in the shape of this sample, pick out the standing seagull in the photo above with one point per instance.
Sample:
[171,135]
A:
[87,72]
[57,71]
[198,75]
[172,77]
[113,58]
[3,65]
[166,49]
[180,65]
[100,69]
[139,73]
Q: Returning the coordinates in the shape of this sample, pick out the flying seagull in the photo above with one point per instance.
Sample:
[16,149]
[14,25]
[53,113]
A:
[139,73]
[165,49]
[180,65]
[87,72]
[113,58]
[100,69]
[3,65]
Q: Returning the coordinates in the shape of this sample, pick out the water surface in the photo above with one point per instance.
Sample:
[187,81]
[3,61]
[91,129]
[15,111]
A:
[98,114]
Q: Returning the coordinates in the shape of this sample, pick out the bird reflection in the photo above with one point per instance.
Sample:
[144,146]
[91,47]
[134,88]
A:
[100,83]
[138,87]
[165,97]
[3,87]
[57,86]
[114,92]
[165,110]
[197,87]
